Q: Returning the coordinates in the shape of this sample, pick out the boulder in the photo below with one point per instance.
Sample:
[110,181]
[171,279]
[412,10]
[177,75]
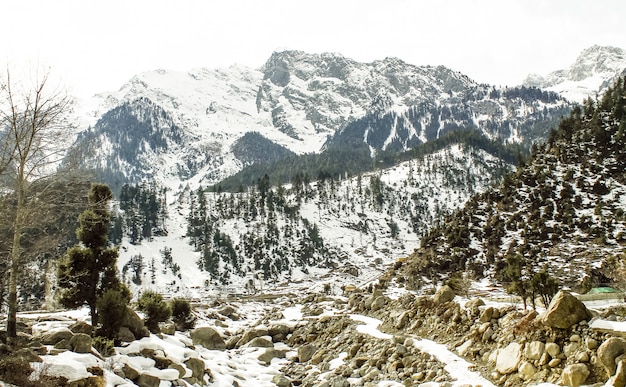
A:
[279,332]
[486,315]
[262,342]
[619,379]
[133,322]
[575,374]
[251,334]
[552,349]
[378,303]
[564,311]
[207,337]
[81,327]
[271,353]
[509,358]
[130,372]
[147,380]
[197,367]
[474,304]
[526,370]
[81,343]
[306,352]
[534,350]
[55,335]
[444,294]
[281,381]
[124,334]
[609,351]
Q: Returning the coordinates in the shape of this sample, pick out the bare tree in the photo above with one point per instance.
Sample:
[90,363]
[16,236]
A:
[36,134]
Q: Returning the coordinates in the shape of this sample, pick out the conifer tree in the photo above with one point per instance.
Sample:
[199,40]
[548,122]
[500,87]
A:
[89,269]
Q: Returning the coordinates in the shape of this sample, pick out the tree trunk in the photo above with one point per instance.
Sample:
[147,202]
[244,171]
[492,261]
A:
[14,267]
[94,315]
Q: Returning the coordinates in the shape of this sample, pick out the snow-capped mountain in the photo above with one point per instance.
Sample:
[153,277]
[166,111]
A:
[595,69]
[207,124]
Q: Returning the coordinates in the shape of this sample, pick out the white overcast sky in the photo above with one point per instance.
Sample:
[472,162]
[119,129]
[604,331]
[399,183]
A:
[98,45]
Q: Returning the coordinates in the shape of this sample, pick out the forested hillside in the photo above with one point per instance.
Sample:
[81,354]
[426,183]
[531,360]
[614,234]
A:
[561,214]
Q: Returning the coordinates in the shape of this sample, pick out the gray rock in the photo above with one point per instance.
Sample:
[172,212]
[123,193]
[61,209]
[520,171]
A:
[379,303]
[306,352]
[271,353]
[575,374]
[81,343]
[130,372]
[147,380]
[444,294]
[81,327]
[281,381]
[197,367]
[564,311]
[262,342]
[55,335]
[251,334]
[125,334]
[207,337]
[168,328]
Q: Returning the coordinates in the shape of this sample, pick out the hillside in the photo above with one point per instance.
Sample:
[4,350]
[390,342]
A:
[561,213]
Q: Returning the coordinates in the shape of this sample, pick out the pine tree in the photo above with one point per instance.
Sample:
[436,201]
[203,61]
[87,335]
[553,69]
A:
[89,268]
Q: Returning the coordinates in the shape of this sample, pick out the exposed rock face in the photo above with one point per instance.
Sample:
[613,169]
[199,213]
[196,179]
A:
[564,311]
[207,337]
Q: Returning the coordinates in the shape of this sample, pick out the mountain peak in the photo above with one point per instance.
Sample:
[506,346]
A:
[595,68]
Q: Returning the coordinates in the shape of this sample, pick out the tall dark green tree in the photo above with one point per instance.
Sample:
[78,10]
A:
[89,269]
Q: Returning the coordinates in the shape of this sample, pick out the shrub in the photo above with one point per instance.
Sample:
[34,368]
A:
[181,314]
[156,310]
[112,311]
[104,346]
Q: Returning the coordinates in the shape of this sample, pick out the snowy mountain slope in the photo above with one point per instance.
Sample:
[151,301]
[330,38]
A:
[562,212]
[342,232]
[296,103]
[595,69]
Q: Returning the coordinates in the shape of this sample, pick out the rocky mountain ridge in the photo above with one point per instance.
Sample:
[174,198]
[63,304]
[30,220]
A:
[297,103]
[595,69]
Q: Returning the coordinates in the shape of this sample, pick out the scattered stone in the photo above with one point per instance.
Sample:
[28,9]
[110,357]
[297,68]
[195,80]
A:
[168,328]
[272,353]
[609,351]
[508,358]
[281,381]
[575,375]
[130,372]
[197,367]
[306,352]
[81,327]
[444,294]
[534,350]
[262,342]
[55,335]
[486,315]
[207,337]
[81,343]
[552,349]
[147,380]
[526,370]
